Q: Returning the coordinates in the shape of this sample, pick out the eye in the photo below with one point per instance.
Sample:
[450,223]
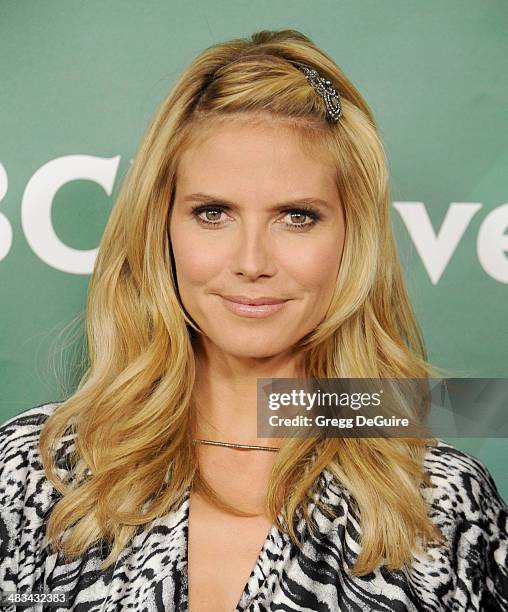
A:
[210,216]
[215,210]
[312,214]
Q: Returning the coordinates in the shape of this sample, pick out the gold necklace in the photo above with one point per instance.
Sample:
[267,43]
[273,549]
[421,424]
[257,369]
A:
[273,449]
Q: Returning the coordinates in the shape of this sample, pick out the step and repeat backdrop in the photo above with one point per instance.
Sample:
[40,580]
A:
[80,82]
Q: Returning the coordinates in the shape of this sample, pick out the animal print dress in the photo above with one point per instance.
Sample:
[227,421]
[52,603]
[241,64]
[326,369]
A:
[150,575]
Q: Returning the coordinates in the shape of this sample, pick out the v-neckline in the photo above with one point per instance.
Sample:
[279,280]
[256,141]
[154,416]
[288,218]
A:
[253,585]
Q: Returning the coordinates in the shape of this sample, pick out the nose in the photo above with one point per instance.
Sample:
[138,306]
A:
[253,254]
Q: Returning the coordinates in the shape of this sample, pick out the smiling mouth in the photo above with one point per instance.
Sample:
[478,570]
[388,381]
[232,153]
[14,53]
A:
[253,310]
[251,301]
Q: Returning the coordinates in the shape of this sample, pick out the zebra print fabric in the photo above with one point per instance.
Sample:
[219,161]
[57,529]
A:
[469,574]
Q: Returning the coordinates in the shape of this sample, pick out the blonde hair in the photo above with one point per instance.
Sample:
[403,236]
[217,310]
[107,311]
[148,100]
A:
[132,413]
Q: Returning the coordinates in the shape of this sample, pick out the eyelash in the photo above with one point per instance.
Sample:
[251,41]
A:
[308,211]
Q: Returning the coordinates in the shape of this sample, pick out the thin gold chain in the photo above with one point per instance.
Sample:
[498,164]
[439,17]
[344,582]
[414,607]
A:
[246,446]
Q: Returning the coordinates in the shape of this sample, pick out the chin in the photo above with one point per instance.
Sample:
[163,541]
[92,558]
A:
[251,348]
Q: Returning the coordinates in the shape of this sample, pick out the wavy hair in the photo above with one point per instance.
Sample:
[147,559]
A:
[132,413]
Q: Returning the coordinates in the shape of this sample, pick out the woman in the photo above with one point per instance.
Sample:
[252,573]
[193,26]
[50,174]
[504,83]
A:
[262,183]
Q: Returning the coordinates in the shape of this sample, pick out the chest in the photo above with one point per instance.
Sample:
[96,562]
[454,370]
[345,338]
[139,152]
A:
[222,552]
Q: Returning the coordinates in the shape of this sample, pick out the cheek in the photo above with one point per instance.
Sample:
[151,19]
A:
[316,266]
[195,265]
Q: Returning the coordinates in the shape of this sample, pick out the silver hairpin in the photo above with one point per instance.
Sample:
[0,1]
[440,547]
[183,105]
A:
[325,89]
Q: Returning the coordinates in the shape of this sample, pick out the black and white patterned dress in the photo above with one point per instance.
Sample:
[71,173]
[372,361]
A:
[471,573]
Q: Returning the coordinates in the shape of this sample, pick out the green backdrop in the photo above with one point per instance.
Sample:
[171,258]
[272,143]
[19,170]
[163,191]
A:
[80,81]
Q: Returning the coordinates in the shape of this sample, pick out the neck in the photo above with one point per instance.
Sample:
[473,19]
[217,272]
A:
[225,394]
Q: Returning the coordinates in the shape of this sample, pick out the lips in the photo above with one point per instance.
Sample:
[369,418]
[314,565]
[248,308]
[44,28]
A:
[258,301]
[243,306]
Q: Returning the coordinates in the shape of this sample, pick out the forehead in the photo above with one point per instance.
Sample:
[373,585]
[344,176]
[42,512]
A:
[257,154]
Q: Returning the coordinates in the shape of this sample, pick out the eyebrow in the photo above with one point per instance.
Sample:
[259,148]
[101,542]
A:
[203,197]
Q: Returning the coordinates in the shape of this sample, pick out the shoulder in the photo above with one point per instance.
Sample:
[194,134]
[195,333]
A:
[20,433]
[463,490]
[458,470]
[21,470]
[28,419]
[448,461]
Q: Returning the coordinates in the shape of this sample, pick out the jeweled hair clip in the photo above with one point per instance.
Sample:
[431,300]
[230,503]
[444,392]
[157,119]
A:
[325,89]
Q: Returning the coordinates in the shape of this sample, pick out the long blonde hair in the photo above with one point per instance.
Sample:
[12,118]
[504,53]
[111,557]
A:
[132,412]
